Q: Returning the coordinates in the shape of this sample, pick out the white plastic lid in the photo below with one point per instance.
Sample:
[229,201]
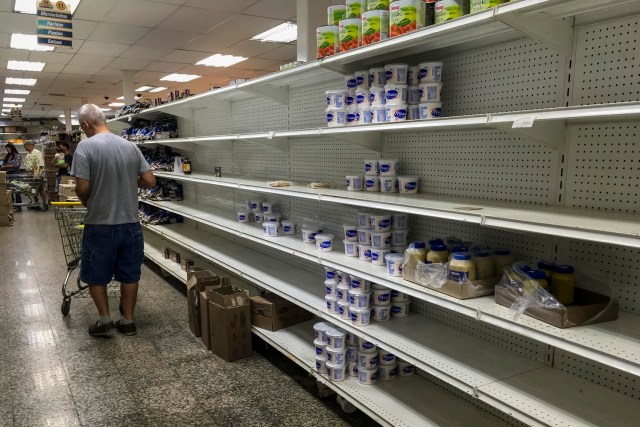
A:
[321,326]
[324,236]
[357,291]
[393,257]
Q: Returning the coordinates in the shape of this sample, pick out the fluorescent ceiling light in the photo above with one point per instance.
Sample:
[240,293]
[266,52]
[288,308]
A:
[158,89]
[72,116]
[17,91]
[120,97]
[6,110]
[106,109]
[20,82]
[12,105]
[25,65]
[144,88]
[283,33]
[27,41]
[15,99]
[218,60]
[29,6]
[116,104]
[182,78]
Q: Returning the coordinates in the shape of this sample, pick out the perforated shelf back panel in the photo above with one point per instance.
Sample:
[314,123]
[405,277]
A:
[259,115]
[607,65]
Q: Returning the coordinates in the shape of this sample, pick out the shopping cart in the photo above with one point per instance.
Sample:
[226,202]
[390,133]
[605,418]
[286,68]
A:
[32,188]
[70,217]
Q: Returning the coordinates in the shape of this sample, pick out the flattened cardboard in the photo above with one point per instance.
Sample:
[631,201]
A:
[589,308]
[473,289]
[230,323]
[273,312]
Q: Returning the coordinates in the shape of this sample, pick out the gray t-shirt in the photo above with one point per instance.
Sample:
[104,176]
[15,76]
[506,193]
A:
[112,165]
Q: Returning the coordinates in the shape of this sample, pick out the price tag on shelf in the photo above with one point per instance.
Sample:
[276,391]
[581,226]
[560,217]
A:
[270,135]
[525,122]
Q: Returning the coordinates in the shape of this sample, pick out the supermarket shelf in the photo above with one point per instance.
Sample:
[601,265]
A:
[615,344]
[395,403]
[465,362]
[153,249]
[583,224]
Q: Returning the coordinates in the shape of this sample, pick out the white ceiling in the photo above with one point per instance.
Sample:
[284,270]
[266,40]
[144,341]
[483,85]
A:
[153,38]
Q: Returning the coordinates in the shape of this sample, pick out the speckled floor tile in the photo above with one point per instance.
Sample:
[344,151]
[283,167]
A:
[141,373]
[167,399]
[95,398]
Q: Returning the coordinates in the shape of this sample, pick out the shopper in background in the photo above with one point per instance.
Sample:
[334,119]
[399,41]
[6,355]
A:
[11,165]
[108,171]
[34,160]
[63,163]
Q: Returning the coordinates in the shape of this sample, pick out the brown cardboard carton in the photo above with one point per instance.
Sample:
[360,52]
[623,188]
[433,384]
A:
[5,197]
[3,177]
[67,190]
[6,220]
[273,312]
[196,281]
[66,178]
[230,323]
[589,308]
[203,309]
[472,289]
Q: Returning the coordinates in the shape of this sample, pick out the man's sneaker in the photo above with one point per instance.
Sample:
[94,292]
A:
[100,329]
[128,330]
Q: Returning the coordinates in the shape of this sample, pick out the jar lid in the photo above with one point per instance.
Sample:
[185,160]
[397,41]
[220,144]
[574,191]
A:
[458,248]
[436,242]
[502,251]
[418,245]
[564,269]
[482,254]
[546,265]
[462,256]
[526,268]
[438,247]
[537,274]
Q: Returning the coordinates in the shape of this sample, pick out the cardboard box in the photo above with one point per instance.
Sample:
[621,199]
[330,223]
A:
[197,281]
[273,312]
[474,289]
[67,190]
[68,198]
[204,309]
[6,220]
[230,323]
[66,178]
[589,308]
[5,197]
[3,177]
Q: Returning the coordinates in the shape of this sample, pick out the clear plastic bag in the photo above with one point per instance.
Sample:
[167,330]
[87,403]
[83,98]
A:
[432,275]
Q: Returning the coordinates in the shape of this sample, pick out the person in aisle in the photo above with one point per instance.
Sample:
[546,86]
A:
[108,171]
[63,163]
[34,160]
[11,165]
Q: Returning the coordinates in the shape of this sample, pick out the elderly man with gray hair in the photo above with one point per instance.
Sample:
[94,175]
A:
[108,171]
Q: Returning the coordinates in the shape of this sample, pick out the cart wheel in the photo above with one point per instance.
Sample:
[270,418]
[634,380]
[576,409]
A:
[66,305]
[45,207]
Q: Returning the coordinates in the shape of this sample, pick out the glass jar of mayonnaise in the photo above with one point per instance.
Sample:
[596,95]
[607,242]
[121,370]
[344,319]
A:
[438,254]
[564,284]
[539,277]
[461,268]
[503,259]
[485,268]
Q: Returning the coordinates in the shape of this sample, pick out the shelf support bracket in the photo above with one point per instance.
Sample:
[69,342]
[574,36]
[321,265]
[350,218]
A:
[551,134]
[369,140]
[553,32]
[186,146]
[279,95]
[279,143]
[218,144]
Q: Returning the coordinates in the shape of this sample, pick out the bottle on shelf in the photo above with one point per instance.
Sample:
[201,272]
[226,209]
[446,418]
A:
[539,277]
[547,267]
[564,284]
[485,268]
[438,254]
[186,166]
[461,268]
[503,259]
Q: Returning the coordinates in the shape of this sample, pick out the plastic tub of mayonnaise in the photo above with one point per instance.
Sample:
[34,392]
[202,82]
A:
[352,368]
[412,75]
[371,167]
[364,236]
[335,372]
[360,316]
[386,357]
[389,167]
[380,222]
[350,248]
[362,80]
[399,221]
[405,369]
[270,229]
[352,354]
[331,301]
[255,205]
[381,313]
[387,372]
[430,72]
[336,356]
[413,95]
[324,242]
[381,297]
[320,330]
[364,116]
[350,233]
[372,184]
[335,98]
[375,26]
[381,240]
[359,298]
[413,112]
[378,115]
[365,346]
[320,364]
[396,113]
[343,278]
[343,310]
[367,360]
[354,183]
[360,283]
[363,98]
[396,73]
[330,274]
[432,110]
[289,227]
[364,220]
[273,217]
[352,340]
[258,217]
[367,376]
[400,308]
[394,264]
[377,256]
[351,82]
[388,184]
[364,253]
[309,233]
[377,77]
[396,94]
[408,184]
[331,287]
[336,117]
[377,97]
[397,296]
[342,292]
[350,102]
[321,348]
[336,339]
[353,118]
[429,92]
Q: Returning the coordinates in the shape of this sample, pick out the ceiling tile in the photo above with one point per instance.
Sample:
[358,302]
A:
[284,53]
[93,10]
[51,57]
[103,49]
[83,29]
[17,23]
[166,39]
[164,67]
[193,20]
[178,2]
[81,69]
[258,64]
[139,12]
[116,33]
[145,52]
[280,9]
[226,5]
[129,64]
[5,5]
[249,48]
[229,33]
[145,77]
[90,60]
[16,54]
[54,68]
[187,57]
[5,39]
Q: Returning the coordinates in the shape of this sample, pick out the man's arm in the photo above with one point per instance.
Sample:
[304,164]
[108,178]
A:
[147,180]
[83,189]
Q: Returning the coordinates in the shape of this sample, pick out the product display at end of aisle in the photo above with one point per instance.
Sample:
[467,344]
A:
[393,93]
[555,299]
[342,355]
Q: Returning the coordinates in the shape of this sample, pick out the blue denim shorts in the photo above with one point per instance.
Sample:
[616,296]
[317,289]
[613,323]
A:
[111,252]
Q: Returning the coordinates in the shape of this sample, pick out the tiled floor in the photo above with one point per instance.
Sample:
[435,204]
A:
[53,374]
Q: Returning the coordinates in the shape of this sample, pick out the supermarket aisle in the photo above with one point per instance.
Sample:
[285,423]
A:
[52,373]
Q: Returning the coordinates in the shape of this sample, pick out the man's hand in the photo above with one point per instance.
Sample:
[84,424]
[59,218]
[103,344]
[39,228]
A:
[147,180]
[83,189]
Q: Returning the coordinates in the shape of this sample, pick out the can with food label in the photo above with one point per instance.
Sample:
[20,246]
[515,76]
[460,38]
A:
[447,10]
[349,34]
[375,26]
[327,40]
[480,5]
[406,16]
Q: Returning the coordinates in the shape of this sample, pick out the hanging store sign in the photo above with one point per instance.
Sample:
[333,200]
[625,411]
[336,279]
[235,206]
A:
[54,24]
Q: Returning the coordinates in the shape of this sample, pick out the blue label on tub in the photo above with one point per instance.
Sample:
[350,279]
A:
[258,217]
[340,309]
[371,183]
[319,350]
[312,236]
[385,167]
[388,357]
[329,290]
[385,223]
[372,97]
[367,345]
[437,72]
[351,233]
[375,256]
[360,98]
[360,80]
[368,167]
[329,117]
[254,205]
[287,228]
[325,245]
[408,369]
[436,112]
[352,117]
[354,315]
[348,182]
[389,74]
[392,94]
[400,114]
[422,73]
[352,83]
[328,100]
[318,365]
[383,297]
[388,240]
[367,253]
[395,293]
[331,274]
[410,186]
[396,309]
[242,217]
[350,99]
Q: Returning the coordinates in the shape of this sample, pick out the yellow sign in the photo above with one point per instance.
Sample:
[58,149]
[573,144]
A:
[46,4]
[61,6]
